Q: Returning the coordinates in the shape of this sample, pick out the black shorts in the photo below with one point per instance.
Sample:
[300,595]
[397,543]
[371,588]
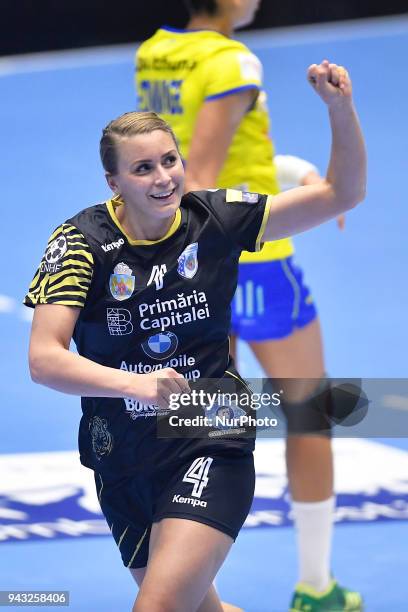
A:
[216,490]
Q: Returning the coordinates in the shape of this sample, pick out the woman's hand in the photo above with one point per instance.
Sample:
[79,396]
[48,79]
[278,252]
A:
[157,387]
[330,81]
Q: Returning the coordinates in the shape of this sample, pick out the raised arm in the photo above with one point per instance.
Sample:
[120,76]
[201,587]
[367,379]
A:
[54,365]
[300,209]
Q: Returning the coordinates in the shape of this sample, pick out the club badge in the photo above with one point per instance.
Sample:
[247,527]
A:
[121,282]
[187,262]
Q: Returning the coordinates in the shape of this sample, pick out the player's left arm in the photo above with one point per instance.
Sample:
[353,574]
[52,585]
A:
[313,177]
[302,208]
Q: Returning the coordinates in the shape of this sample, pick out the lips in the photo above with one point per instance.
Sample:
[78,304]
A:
[163,195]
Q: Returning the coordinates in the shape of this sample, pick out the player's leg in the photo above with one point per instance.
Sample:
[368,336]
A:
[295,363]
[308,457]
[184,557]
[211,602]
[285,336]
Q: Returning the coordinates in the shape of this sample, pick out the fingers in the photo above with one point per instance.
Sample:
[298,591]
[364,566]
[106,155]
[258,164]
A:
[339,76]
[317,73]
[330,81]
[341,222]
[170,382]
[174,380]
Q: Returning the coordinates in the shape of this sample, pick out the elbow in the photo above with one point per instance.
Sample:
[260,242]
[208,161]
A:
[345,202]
[37,369]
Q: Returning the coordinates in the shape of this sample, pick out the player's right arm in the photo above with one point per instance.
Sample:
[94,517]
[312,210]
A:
[54,365]
[58,292]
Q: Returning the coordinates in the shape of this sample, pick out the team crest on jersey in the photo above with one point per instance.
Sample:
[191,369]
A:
[121,282]
[188,262]
[161,346]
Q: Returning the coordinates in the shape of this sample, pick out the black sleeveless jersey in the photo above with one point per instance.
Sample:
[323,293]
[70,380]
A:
[146,305]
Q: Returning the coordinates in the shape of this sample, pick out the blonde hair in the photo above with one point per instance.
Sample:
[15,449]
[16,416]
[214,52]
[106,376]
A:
[128,124]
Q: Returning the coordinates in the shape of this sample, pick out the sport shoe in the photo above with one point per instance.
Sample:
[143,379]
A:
[334,599]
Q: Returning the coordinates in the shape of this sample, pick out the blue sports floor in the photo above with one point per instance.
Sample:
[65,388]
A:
[52,110]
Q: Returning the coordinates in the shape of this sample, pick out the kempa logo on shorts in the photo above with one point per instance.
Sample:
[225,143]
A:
[177,499]
[157,275]
[116,244]
[197,474]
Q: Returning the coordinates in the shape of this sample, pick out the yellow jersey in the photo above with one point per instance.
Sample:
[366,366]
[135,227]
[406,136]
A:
[177,71]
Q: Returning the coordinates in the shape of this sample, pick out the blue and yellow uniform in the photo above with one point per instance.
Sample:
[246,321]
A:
[177,71]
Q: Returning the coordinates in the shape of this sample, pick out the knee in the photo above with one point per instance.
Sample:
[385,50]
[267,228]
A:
[154,602]
[342,404]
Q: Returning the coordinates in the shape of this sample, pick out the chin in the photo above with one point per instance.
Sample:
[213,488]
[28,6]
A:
[168,210]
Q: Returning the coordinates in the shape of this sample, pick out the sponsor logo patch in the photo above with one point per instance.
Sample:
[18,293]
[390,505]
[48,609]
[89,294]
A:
[56,250]
[178,499]
[161,345]
[119,321]
[157,275]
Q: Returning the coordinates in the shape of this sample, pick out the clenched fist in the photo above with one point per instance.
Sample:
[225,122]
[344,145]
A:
[331,82]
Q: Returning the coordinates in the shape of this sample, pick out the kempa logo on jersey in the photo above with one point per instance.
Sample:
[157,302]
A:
[119,321]
[116,244]
[157,275]
[171,307]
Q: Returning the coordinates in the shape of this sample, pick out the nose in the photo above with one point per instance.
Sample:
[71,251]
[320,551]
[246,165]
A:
[162,176]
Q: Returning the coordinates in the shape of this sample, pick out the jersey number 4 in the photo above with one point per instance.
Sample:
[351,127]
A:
[197,474]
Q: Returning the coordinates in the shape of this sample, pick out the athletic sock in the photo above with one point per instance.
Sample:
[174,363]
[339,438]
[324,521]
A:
[314,526]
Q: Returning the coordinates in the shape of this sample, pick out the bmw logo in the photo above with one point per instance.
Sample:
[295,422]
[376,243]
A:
[161,346]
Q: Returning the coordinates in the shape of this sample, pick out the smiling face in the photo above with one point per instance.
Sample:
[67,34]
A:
[149,176]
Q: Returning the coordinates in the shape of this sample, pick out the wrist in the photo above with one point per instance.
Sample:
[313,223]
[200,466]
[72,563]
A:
[128,384]
[341,104]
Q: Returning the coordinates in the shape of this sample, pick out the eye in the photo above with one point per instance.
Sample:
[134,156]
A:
[143,168]
[170,159]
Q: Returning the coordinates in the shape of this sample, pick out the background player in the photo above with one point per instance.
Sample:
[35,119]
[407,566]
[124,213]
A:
[209,88]
[174,552]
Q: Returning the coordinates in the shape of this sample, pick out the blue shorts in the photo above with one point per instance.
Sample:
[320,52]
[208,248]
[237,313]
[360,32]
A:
[271,301]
